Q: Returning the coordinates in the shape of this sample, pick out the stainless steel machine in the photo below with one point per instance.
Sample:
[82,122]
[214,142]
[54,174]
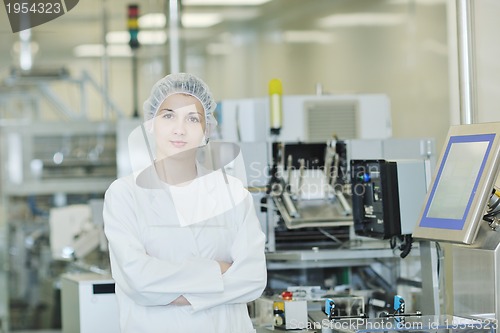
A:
[462,208]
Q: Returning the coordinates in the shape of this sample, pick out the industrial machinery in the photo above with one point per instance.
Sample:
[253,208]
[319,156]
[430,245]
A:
[461,208]
[308,185]
[316,185]
[297,152]
[54,176]
[310,216]
[300,181]
[387,197]
[306,118]
[89,303]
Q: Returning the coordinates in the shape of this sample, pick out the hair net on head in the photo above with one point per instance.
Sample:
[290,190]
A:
[182,83]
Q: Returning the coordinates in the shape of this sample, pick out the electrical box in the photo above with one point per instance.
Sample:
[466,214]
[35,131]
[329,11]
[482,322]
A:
[89,304]
[387,196]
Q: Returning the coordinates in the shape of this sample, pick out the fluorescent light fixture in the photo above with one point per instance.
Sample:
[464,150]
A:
[26,49]
[89,50]
[118,37]
[152,21]
[200,20]
[146,37]
[152,37]
[119,51]
[239,14]
[307,36]
[361,19]
[223,2]
[97,50]
[17,47]
[418,2]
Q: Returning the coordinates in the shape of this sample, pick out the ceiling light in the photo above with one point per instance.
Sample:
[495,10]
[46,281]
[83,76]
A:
[152,37]
[119,51]
[223,2]
[307,36]
[16,47]
[147,37]
[418,2]
[152,21]
[200,20]
[239,14]
[89,50]
[361,19]
[118,37]
[97,50]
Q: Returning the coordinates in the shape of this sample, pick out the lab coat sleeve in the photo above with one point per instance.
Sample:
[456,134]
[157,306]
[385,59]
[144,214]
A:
[246,279]
[147,280]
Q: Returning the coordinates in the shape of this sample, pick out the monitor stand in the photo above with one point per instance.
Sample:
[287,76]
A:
[476,276]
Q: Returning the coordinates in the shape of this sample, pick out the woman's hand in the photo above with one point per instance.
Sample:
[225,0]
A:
[181,300]
[224,266]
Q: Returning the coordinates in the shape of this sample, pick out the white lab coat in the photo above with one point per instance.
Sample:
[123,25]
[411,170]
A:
[154,259]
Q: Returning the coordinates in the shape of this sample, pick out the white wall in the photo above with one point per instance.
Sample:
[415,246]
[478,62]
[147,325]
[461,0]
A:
[487,57]
[486,65]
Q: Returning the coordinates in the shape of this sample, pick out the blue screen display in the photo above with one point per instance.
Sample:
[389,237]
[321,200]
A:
[456,182]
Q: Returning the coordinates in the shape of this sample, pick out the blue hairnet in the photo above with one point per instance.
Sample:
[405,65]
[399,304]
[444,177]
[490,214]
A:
[183,83]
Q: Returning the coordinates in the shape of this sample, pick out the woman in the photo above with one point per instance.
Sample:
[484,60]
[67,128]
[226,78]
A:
[186,247]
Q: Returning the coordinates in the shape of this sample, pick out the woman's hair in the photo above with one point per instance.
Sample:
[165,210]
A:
[181,83]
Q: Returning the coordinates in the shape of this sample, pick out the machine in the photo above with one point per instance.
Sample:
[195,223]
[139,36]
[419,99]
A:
[462,208]
[89,304]
[53,181]
[387,196]
[316,185]
[306,118]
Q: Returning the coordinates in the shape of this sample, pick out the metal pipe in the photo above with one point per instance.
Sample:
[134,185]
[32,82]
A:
[135,84]
[105,57]
[466,62]
[173,37]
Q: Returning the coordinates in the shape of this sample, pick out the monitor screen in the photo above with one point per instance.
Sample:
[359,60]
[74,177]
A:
[465,176]
[457,181]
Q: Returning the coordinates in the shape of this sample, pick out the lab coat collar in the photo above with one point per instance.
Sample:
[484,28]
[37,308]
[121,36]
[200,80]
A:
[210,163]
[201,193]
[211,157]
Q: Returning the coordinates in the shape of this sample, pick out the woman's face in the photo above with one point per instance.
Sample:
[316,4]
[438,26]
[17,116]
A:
[179,125]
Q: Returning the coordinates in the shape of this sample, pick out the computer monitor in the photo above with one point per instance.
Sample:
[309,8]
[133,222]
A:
[466,173]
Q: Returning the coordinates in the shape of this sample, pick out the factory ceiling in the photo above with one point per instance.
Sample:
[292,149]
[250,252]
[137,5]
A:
[206,27]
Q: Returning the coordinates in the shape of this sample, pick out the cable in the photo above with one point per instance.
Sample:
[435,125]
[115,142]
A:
[438,254]
[406,246]
[393,242]
[332,237]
